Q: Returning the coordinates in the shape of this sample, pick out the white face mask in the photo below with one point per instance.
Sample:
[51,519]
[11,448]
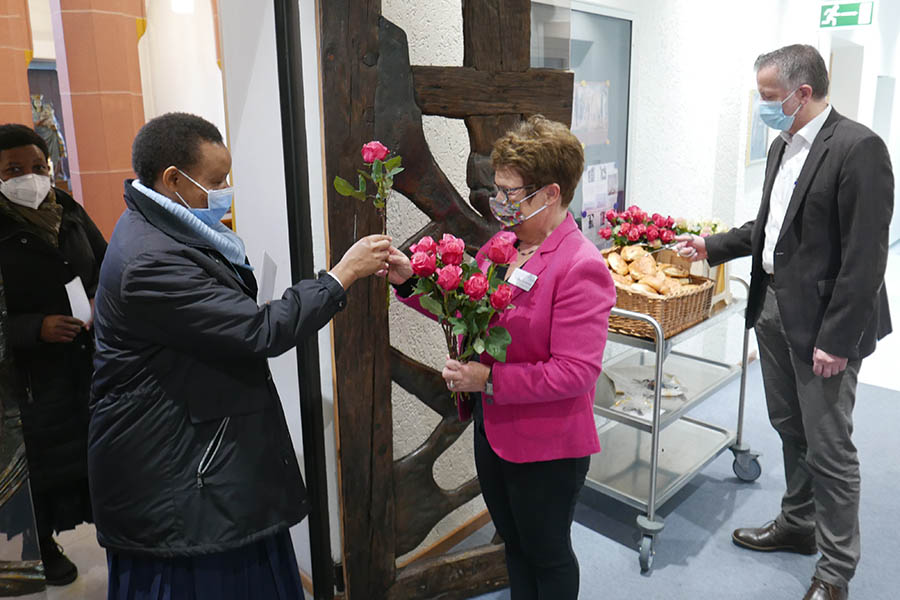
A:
[26,190]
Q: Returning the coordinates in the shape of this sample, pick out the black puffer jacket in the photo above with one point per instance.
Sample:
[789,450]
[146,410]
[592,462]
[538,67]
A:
[189,451]
[57,376]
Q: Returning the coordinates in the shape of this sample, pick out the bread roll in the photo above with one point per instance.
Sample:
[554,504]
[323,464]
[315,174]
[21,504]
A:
[673,271]
[669,286]
[643,288]
[645,266]
[622,279]
[617,263]
[630,253]
[656,281]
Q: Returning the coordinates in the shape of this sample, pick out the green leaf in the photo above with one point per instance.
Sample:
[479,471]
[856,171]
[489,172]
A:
[377,169]
[361,190]
[432,306]
[500,335]
[460,329]
[394,172]
[393,162]
[498,351]
[364,174]
[423,286]
[478,345]
[343,187]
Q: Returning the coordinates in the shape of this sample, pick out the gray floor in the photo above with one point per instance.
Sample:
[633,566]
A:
[695,557]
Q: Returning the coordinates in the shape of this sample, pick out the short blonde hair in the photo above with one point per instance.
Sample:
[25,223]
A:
[542,152]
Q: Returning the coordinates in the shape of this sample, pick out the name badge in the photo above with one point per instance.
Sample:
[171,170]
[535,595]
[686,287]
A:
[522,279]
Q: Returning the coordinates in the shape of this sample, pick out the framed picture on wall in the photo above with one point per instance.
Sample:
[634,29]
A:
[757,132]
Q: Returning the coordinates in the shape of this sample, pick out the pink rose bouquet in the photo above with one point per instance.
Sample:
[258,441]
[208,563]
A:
[462,297]
[634,226]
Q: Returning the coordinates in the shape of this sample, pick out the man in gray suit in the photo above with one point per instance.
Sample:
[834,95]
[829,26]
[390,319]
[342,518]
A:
[817,301]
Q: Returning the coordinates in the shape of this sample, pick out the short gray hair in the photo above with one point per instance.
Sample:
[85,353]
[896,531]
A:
[797,65]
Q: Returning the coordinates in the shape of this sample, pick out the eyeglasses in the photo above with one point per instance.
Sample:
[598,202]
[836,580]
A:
[503,194]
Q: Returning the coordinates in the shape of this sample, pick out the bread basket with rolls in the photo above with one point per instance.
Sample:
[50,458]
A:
[668,293]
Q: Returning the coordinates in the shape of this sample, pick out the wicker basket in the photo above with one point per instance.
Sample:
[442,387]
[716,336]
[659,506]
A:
[674,313]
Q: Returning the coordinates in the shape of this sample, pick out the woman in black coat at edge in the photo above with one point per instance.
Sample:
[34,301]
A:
[46,241]
[194,479]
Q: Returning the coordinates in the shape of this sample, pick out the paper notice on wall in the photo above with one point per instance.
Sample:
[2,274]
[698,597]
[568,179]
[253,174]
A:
[591,222]
[78,301]
[599,187]
[267,281]
[590,112]
[612,185]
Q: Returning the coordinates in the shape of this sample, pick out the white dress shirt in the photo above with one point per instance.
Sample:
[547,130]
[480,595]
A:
[795,154]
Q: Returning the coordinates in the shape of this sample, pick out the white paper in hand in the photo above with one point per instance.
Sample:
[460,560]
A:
[267,282]
[78,300]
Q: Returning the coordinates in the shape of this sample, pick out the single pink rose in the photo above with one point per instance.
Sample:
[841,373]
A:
[374,151]
[633,234]
[642,229]
[624,228]
[502,251]
[449,277]
[426,245]
[652,233]
[423,264]
[605,232]
[670,222]
[476,286]
[625,216]
[451,249]
[500,299]
[611,217]
[659,221]
[667,236]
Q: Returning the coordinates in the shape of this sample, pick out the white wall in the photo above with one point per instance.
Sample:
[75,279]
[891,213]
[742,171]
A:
[179,70]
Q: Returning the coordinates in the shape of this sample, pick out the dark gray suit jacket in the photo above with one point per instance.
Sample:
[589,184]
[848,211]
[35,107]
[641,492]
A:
[832,250]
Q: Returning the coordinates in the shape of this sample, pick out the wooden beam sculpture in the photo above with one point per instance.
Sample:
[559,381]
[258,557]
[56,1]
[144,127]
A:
[390,506]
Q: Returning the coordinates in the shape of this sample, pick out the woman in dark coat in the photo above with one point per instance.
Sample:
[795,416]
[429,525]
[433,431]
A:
[193,476]
[46,241]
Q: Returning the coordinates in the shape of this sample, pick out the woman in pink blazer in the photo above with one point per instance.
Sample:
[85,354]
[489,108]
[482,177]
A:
[534,419]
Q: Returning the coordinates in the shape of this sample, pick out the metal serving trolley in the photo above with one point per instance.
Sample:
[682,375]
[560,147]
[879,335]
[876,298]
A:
[647,459]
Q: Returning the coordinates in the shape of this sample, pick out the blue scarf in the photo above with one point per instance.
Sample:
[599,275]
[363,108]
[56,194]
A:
[219,237]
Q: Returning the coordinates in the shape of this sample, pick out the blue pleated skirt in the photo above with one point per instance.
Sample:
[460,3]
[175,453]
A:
[264,570]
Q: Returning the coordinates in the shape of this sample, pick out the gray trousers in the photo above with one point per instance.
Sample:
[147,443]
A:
[814,417]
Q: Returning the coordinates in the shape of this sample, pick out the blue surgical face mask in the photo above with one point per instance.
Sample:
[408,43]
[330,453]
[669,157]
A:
[218,202]
[771,112]
[509,213]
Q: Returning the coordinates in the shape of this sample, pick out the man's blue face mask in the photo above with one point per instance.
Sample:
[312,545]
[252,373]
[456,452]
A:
[771,112]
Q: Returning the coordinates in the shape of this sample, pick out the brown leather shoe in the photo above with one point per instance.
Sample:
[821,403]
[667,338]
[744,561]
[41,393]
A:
[819,590]
[772,537]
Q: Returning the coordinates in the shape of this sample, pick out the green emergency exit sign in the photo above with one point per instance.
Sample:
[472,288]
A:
[846,14]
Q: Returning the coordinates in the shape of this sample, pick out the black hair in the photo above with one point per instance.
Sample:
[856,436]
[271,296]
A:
[13,135]
[172,139]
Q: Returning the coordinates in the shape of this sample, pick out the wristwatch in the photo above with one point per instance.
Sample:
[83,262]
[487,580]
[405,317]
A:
[489,384]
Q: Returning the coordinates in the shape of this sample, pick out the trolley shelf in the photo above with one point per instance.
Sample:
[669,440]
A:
[624,473]
[699,378]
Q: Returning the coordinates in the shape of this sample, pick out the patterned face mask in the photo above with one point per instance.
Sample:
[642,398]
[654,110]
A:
[509,212]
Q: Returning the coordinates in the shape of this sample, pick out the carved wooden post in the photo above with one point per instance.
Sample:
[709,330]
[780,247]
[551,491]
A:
[389,507]
[349,37]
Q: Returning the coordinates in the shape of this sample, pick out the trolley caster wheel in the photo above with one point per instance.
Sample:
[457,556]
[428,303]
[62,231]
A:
[647,552]
[746,467]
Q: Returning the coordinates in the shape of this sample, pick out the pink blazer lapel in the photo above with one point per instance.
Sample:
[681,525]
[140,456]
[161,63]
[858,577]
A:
[544,255]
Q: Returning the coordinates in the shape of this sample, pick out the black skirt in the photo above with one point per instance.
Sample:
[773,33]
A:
[265,569]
